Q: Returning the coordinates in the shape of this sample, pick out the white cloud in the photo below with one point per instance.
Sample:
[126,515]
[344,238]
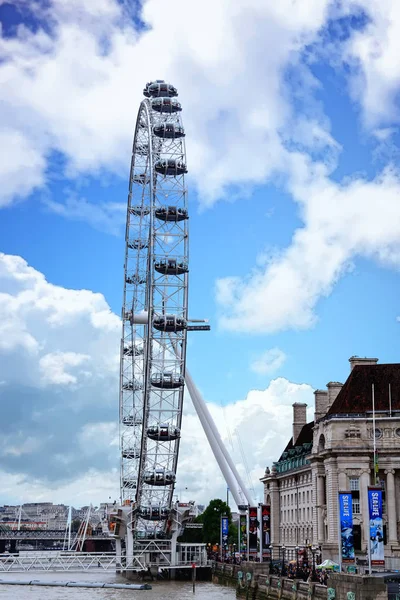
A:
[59,431]
[238,111]
[53,367]
[341,222]
[263,421]
[269,362]
[373,53]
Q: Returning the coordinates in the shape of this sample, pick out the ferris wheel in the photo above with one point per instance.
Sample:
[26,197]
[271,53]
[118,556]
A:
[155,311]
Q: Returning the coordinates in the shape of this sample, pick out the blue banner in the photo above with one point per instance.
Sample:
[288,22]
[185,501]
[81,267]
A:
[346,526]
[377,550]
[224,532]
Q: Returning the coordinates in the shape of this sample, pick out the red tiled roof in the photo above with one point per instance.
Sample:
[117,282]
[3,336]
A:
[356,394]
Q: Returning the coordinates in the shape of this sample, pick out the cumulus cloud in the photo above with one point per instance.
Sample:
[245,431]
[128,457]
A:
[59,373]
[269,362]
[341,222]
[59,398]
[237,101]
[256,427]
[372,53]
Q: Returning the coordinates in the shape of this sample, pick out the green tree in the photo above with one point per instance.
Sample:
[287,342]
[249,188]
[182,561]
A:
[76,523]
[211,518]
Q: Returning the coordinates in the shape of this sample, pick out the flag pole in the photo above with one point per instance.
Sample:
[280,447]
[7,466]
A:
[390,401]
[373,427]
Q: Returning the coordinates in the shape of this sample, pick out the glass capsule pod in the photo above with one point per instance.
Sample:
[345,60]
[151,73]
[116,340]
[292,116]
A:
[167,381]
[171,131]
[171,266]
[130,453]
[140,211]
[166,105]
[132,385]
[138,244]
[155,89]
[154,513]
[171,213]
[170,166]
[141,149]
[141,178]
[133,350]
[135,279]
[130,420]
[159,477]
[163,432]
[170,323]
[130,484]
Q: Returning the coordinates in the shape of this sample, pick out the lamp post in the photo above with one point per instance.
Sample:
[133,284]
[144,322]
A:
[283,560]
[234,554]
[314,574]
[297,561]
[270,559]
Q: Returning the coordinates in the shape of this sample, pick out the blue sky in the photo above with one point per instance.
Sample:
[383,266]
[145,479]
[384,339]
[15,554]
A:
[292,139]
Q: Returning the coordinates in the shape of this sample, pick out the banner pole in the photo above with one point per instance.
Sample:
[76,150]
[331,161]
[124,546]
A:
[369,535]
[247,533]
[260,532]
[339,534]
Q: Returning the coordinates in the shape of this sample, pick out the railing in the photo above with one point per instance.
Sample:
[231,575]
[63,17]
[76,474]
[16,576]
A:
[84,561]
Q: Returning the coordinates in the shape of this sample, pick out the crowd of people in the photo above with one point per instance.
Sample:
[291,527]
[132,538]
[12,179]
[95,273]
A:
[290,570]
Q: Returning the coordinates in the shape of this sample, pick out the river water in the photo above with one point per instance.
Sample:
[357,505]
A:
[170,590]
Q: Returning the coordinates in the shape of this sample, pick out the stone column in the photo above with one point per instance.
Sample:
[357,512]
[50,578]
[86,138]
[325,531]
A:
[320,509]
[275,514]
[332,498]
[391,506]
[342,482]
[364,483]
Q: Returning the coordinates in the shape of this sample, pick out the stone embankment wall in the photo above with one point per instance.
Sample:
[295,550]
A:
[254,583]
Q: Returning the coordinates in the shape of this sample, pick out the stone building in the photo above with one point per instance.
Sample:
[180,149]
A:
[335,453]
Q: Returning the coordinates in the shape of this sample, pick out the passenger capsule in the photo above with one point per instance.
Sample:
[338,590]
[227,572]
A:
[129,484]
[170,166]
[167,381]
[140,178]
[158,88]
[171,131]
[133,350]
[170,266]
[170,323]
[154,513]
[135,279]
[140,211]
[171,213]
[131,453]
[159,477]
[141,149]
[132,385]
[166,105]
[131,420]
[138,244]
[163,432]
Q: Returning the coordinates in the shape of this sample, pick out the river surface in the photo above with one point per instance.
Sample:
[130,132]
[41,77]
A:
[170,590]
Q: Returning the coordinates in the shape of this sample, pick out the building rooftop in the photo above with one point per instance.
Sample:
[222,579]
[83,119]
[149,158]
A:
[356,394]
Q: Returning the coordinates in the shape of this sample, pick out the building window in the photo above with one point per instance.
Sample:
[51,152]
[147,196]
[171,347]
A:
[356,506]
[354,484]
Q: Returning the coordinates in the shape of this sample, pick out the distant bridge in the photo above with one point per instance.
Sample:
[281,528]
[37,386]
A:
[48,534]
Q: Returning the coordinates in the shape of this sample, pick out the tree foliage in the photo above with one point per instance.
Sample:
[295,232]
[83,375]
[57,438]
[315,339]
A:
[212,520]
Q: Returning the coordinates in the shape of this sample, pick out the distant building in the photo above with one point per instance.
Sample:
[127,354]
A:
[335,452]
